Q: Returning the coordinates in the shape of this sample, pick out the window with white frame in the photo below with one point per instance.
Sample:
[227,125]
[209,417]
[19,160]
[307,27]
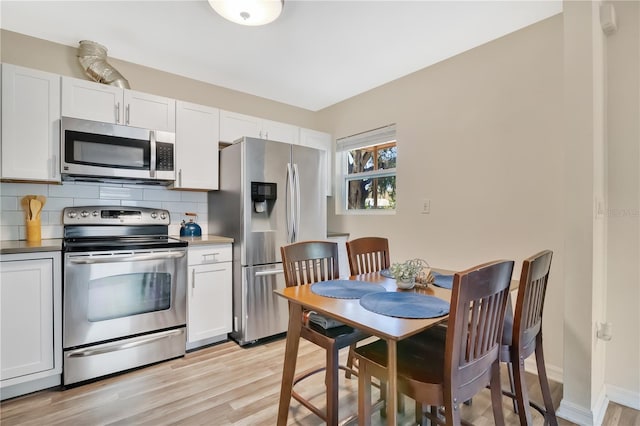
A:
[366,166]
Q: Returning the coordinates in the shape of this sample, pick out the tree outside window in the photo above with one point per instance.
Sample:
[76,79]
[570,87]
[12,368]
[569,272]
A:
[371,177]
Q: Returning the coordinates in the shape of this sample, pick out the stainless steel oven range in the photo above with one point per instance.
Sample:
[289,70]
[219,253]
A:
[124,290]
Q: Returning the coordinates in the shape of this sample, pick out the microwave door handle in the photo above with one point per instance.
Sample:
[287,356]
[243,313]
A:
[152,160]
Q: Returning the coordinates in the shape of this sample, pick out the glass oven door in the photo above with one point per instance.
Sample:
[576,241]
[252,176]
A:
[110,295]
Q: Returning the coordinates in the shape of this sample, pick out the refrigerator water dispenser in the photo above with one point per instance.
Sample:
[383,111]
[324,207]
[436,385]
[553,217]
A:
[263,195]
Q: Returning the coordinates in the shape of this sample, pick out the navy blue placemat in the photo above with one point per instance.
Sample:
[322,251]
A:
[386,273]
[345,289]
[441,280]
[405,305]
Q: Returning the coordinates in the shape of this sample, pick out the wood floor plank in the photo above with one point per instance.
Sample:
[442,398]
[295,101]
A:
[225,385]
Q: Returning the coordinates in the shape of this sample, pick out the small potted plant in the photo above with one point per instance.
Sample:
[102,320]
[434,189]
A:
[405,273]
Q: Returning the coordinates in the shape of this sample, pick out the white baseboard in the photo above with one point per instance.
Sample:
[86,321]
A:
[623,397]
[575,413]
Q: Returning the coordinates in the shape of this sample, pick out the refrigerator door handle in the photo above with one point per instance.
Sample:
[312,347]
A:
[269,273]
[296,182]
[289,205]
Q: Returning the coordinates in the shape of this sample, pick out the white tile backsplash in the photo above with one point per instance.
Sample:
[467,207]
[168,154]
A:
[12,217]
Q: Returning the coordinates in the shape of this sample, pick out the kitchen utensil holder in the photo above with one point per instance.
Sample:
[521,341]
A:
[34,230]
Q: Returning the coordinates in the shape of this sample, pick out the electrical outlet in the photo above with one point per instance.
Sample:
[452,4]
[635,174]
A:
[426,206]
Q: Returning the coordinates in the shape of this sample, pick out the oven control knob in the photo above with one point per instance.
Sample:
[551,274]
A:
[84,213]
[95,213]
[72,214]
[154,215]
[163,215]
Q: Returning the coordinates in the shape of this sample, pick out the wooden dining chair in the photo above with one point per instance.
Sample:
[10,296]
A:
[368,254]
[522,337]
[305,263]
[444,366]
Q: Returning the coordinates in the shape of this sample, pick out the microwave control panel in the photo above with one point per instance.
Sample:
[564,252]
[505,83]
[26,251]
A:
[164,156]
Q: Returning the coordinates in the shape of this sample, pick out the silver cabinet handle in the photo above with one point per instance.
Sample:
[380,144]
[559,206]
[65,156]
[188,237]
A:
[126,113]
[193,278]
[78,353]
[180,178]
[111,258]
[117,111]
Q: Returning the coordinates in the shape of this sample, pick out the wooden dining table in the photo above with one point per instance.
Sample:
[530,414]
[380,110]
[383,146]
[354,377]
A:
[350,312]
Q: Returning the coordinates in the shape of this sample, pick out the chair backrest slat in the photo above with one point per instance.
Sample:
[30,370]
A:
[478,305]
[368,254]
[530,301]
[308,262]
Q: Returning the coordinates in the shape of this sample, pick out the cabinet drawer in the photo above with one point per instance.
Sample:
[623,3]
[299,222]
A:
[200,255]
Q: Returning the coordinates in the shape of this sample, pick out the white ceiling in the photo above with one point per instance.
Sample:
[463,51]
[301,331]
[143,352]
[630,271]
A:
[316,54]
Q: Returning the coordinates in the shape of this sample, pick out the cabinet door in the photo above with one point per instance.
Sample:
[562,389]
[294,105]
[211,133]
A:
[233,126]
[27,329]
[92,101]
[149,111]
[209,301]
[30,124]
[323,141]
[276,131]
[197,129]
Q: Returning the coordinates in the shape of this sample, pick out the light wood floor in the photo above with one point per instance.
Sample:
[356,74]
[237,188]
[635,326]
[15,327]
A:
[223,385]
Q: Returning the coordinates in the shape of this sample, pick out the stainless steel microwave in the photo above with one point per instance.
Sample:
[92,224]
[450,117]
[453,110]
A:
[105,152]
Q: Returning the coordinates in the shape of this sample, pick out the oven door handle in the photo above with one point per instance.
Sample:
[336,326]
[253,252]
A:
[114,347]
[85,260]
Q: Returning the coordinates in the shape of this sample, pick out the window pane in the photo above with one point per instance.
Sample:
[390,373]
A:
[387,157]
[378,157]
[372,193]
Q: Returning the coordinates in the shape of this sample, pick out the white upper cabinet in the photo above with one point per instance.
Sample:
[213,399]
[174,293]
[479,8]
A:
[197,129]
[323,141]
[30,124]
[109,104]
[276,131]
[149,111]
[234,126]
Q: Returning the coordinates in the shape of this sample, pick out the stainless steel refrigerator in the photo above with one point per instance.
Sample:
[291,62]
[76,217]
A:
[271,194]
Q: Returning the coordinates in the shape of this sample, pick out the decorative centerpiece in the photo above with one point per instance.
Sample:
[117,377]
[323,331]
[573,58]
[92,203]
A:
[406,274]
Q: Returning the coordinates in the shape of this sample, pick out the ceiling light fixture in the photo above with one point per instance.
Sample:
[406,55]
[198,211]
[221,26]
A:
[248,12]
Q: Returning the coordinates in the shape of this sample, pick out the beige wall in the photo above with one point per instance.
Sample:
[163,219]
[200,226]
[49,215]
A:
[623,213]
[40,54]
[480,136]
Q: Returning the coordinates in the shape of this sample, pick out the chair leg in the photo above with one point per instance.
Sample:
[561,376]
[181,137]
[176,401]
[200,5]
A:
[512,386]
[496,394]
[331,379]
[550,415]
[364,395]
[350,358]
[522,397]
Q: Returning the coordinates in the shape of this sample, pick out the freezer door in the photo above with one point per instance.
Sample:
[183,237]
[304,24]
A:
[263,313]
[265,226]
[310,198]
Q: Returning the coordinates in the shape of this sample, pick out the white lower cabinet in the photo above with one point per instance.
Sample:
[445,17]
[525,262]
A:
[31,322]
[209,300]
